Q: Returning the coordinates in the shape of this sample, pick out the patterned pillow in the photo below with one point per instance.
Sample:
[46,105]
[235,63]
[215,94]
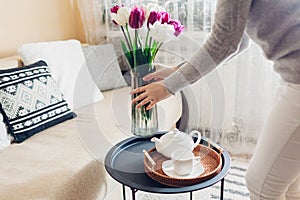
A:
[30,100]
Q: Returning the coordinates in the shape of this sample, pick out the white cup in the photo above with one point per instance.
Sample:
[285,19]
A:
[183,162]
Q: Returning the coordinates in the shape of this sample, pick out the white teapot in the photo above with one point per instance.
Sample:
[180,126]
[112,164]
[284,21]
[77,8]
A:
[176,140]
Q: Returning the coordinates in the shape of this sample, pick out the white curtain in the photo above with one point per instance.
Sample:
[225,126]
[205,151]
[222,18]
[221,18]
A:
[256,84]
[93,16]
[232,102]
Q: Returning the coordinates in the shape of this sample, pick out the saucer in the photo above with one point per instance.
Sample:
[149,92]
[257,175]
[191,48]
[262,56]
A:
[167,167]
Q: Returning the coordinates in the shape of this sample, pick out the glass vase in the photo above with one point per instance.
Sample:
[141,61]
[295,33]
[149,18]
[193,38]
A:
[143,122]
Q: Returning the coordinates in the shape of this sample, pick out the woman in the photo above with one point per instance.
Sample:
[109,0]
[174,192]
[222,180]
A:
[274,171]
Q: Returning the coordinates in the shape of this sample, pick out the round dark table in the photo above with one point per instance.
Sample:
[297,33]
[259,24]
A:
[124,163]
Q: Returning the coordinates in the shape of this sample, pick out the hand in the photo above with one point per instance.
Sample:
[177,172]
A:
[152,93]
[162,71]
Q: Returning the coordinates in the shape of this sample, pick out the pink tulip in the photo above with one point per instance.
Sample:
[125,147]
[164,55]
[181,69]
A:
[114,9]
[153,17]
[165,17]
[177,27]
[136,18]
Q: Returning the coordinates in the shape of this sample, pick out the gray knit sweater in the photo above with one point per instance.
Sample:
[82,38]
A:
[273,24]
